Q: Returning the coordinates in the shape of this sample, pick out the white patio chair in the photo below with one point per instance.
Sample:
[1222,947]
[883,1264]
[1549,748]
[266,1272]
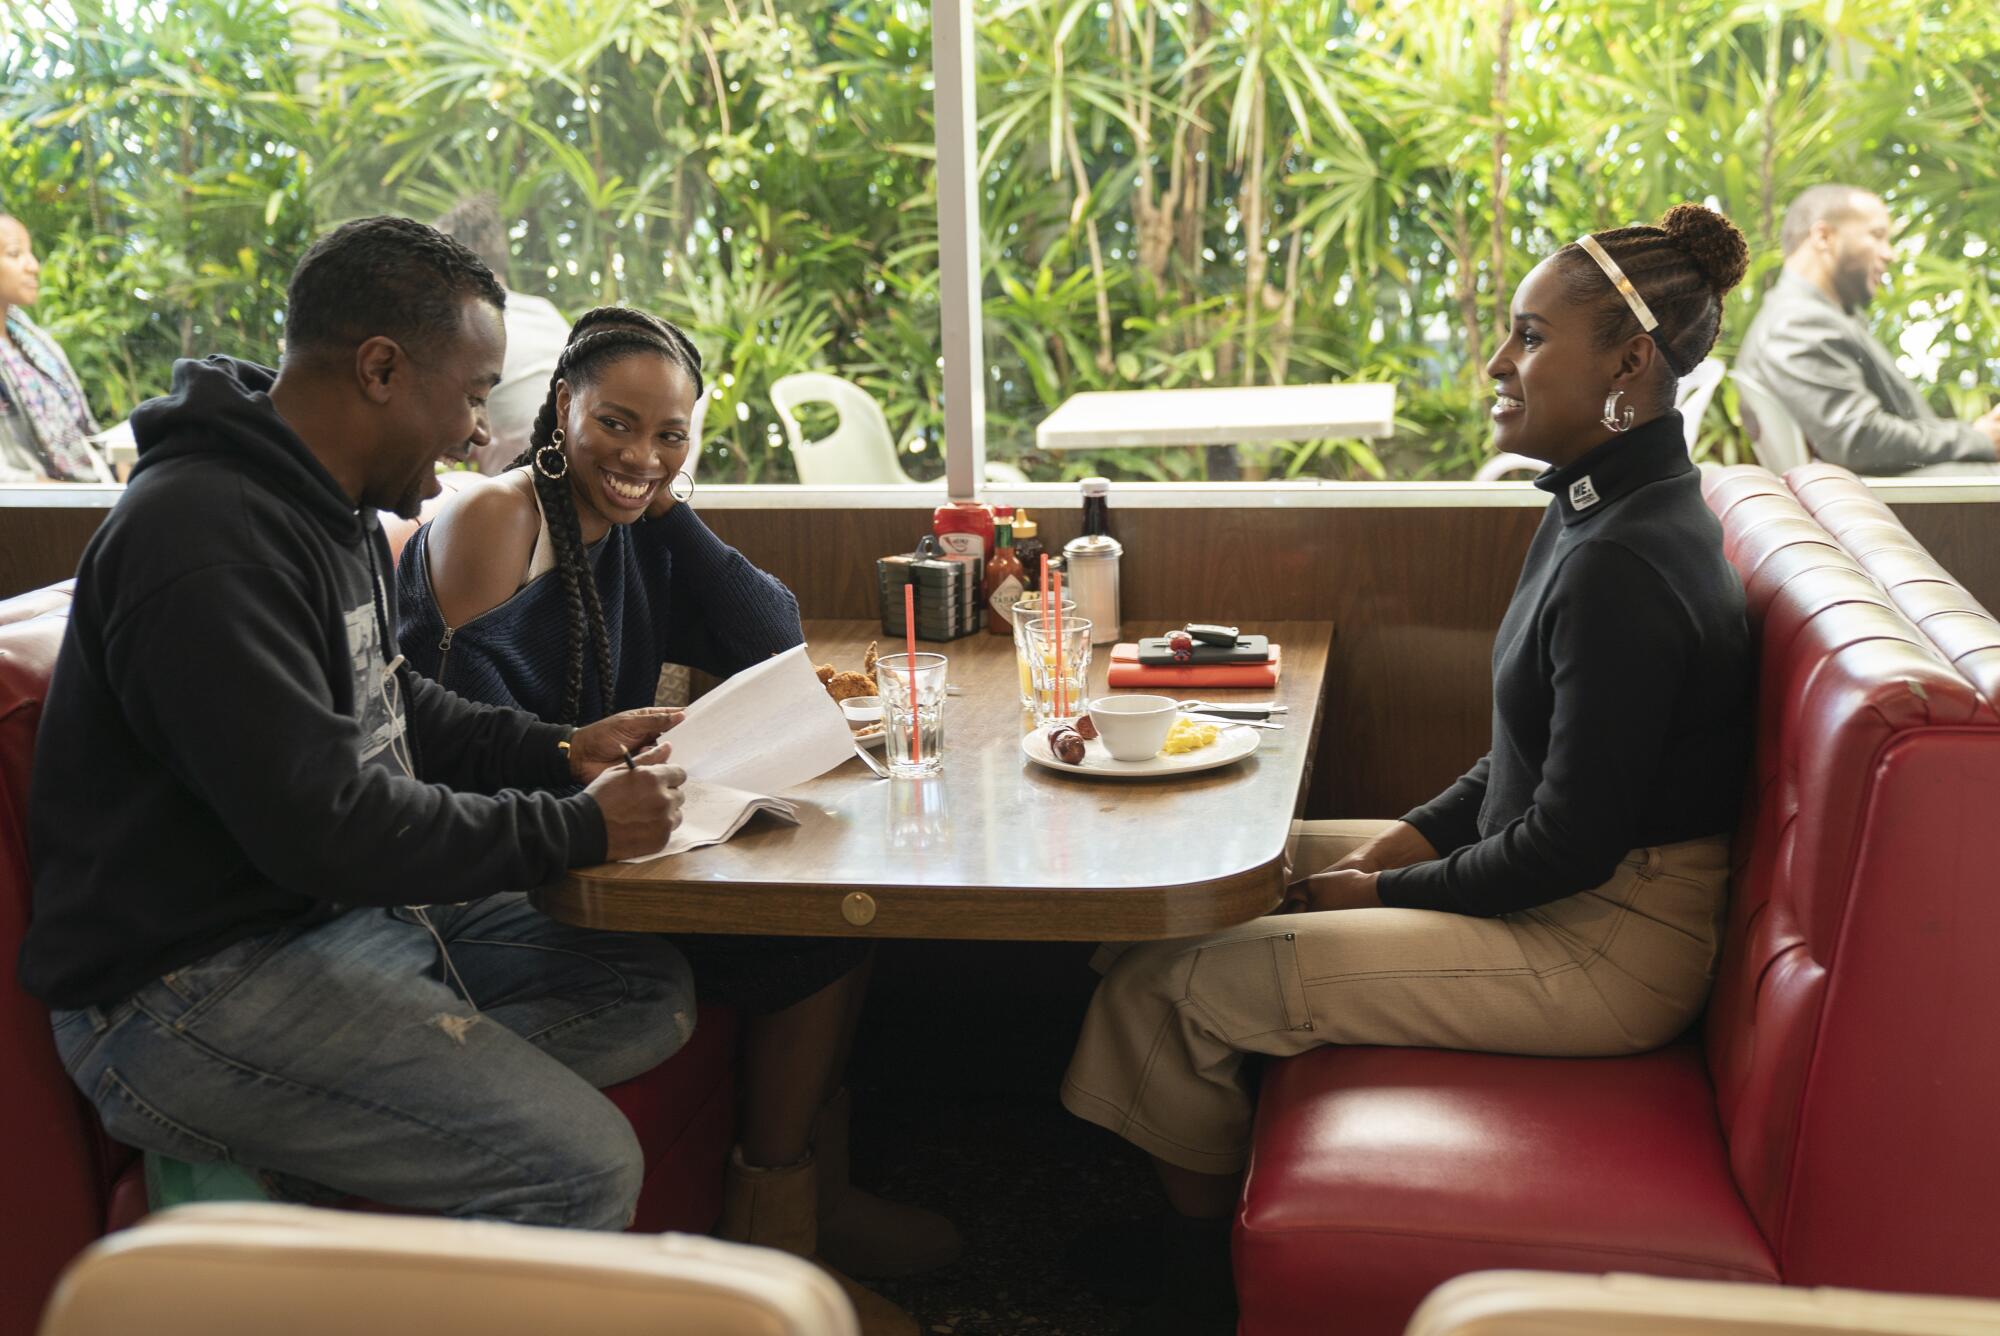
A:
[860,450]
[262,1267]
[1774,433]
[1541,1303]
[1691,397]
[1697,389]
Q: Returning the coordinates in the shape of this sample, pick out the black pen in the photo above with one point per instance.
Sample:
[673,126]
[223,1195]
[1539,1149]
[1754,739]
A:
[630,764]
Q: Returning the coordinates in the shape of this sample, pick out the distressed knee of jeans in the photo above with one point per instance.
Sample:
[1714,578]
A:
[455,1027]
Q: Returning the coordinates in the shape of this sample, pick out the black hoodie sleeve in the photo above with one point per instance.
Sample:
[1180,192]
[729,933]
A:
[241,712]
[479,748]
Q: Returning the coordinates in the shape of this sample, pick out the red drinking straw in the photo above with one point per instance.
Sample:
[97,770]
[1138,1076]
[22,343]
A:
[910,637]
[1062,694]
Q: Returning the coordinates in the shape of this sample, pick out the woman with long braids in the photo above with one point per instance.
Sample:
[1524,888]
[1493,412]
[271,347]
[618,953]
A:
[560,587]
[1565,897]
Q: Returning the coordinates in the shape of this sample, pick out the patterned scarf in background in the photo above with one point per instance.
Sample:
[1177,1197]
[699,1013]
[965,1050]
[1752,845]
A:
[36,382]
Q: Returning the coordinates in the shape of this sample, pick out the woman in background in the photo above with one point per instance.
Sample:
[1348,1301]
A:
[45,423]
[1565,897]
[560,587]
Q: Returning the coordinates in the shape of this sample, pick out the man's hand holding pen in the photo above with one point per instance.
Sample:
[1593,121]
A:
[636,790]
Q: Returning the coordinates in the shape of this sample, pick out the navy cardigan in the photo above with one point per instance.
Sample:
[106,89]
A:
[672,593]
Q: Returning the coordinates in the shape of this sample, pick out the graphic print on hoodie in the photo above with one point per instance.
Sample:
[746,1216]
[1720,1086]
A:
[374,689]
[219,753]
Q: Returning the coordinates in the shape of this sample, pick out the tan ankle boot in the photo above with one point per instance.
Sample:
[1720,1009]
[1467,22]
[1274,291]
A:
[861,1233]
[778,1208]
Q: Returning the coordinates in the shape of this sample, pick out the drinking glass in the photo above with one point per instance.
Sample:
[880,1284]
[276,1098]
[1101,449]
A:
[1052,706]
[913,742]
[1030,605]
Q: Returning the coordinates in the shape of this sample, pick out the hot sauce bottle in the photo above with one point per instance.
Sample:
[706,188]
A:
[1004,581]
[1028,546]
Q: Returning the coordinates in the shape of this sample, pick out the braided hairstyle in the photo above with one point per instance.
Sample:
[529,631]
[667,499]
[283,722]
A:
[599,338]
[1683,268]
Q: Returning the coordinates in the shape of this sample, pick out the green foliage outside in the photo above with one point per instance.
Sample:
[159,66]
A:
[1175,193]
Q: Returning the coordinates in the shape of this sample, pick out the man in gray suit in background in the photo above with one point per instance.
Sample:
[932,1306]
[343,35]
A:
[1810,347]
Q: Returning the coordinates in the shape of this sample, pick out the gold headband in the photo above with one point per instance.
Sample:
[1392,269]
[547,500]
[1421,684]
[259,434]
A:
[1622,283]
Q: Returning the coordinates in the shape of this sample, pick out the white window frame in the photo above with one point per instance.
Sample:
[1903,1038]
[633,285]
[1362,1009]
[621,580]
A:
[954,81]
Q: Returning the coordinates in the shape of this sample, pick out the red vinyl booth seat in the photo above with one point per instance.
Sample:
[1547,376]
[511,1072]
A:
[65,1183]
[1833,1125]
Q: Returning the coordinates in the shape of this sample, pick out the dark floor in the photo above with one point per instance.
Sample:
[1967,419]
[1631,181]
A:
[955,1079]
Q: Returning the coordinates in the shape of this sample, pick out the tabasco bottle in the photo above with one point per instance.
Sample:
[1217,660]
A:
[1003,583]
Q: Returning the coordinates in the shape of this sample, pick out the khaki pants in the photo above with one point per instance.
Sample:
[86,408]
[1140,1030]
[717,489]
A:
[1618,969]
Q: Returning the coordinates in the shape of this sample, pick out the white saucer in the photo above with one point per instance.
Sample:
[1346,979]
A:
[1232,744]
[871,737]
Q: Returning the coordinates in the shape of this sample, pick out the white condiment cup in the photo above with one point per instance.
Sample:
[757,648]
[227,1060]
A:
[1134,728]
[862,711]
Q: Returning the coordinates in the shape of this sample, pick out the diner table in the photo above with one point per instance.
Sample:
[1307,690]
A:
[995,846]
[1219,415]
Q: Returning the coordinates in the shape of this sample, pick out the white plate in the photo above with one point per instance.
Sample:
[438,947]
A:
[1233,743]
[871,737]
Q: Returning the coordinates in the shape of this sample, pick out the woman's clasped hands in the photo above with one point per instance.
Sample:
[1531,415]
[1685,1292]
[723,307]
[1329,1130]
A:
[1351,883]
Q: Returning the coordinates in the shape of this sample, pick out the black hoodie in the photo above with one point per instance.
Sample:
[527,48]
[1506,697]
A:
[225,749]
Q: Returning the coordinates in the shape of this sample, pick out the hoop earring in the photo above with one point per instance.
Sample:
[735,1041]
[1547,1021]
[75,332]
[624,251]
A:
[1615,418]
[557,471]
[681,486]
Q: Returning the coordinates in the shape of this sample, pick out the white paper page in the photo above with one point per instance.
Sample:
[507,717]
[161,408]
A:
[767,729]
[711,813]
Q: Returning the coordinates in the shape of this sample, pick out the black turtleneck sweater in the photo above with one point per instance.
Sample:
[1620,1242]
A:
[1622,692]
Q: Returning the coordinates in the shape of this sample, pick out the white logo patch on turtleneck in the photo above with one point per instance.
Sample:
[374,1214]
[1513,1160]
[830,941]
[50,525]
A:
[1582,496]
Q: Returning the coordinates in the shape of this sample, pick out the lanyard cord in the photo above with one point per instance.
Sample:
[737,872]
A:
[399,747]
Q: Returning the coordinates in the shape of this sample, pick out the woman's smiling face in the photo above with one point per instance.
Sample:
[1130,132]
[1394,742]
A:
[1550,378]
[626,435]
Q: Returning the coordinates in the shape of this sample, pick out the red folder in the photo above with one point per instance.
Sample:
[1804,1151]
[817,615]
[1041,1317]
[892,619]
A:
[1127,672]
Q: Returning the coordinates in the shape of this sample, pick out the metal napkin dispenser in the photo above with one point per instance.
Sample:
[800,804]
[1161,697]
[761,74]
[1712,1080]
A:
[948,603]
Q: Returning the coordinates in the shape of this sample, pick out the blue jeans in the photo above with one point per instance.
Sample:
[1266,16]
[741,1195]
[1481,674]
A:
[342,1053]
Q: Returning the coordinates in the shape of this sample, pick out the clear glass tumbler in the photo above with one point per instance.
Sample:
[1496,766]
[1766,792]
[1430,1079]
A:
[1030,605]
[913,742]
[1058,678]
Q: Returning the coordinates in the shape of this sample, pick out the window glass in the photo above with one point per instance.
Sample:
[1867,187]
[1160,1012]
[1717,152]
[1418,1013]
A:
[760,173]
[1188,193]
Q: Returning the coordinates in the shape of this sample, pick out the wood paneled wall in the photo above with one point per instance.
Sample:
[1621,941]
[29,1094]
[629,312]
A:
[1415,596]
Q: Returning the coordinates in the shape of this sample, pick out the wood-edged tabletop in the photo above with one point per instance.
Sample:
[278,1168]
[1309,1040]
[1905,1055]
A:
[994,847]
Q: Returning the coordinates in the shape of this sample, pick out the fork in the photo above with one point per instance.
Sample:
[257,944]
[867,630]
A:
[1219,719]
[1236,706]
[868,759]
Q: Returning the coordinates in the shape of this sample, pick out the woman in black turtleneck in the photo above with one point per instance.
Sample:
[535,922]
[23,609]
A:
[1565,896]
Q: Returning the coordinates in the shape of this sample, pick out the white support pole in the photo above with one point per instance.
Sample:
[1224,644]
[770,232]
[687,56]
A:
[956,89]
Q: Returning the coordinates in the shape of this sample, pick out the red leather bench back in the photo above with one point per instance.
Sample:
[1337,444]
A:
[1963,630]
[1854,1033]
[52,1203]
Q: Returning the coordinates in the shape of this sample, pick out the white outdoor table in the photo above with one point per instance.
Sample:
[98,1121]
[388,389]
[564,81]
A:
[1220,416]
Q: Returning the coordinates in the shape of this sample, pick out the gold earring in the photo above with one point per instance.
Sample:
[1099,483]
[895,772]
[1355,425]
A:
[550,461]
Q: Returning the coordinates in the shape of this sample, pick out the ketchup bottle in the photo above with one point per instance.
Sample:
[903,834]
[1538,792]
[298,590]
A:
[964,528]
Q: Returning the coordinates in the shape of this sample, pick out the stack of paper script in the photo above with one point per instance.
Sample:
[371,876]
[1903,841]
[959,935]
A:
[764,731]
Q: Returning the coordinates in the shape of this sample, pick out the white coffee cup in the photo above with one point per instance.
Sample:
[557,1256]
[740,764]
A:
[1134,728]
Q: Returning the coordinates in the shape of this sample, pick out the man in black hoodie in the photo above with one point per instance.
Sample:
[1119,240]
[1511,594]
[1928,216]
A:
[279,909]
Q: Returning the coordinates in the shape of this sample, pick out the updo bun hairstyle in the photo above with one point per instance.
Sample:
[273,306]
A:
[1684,267]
